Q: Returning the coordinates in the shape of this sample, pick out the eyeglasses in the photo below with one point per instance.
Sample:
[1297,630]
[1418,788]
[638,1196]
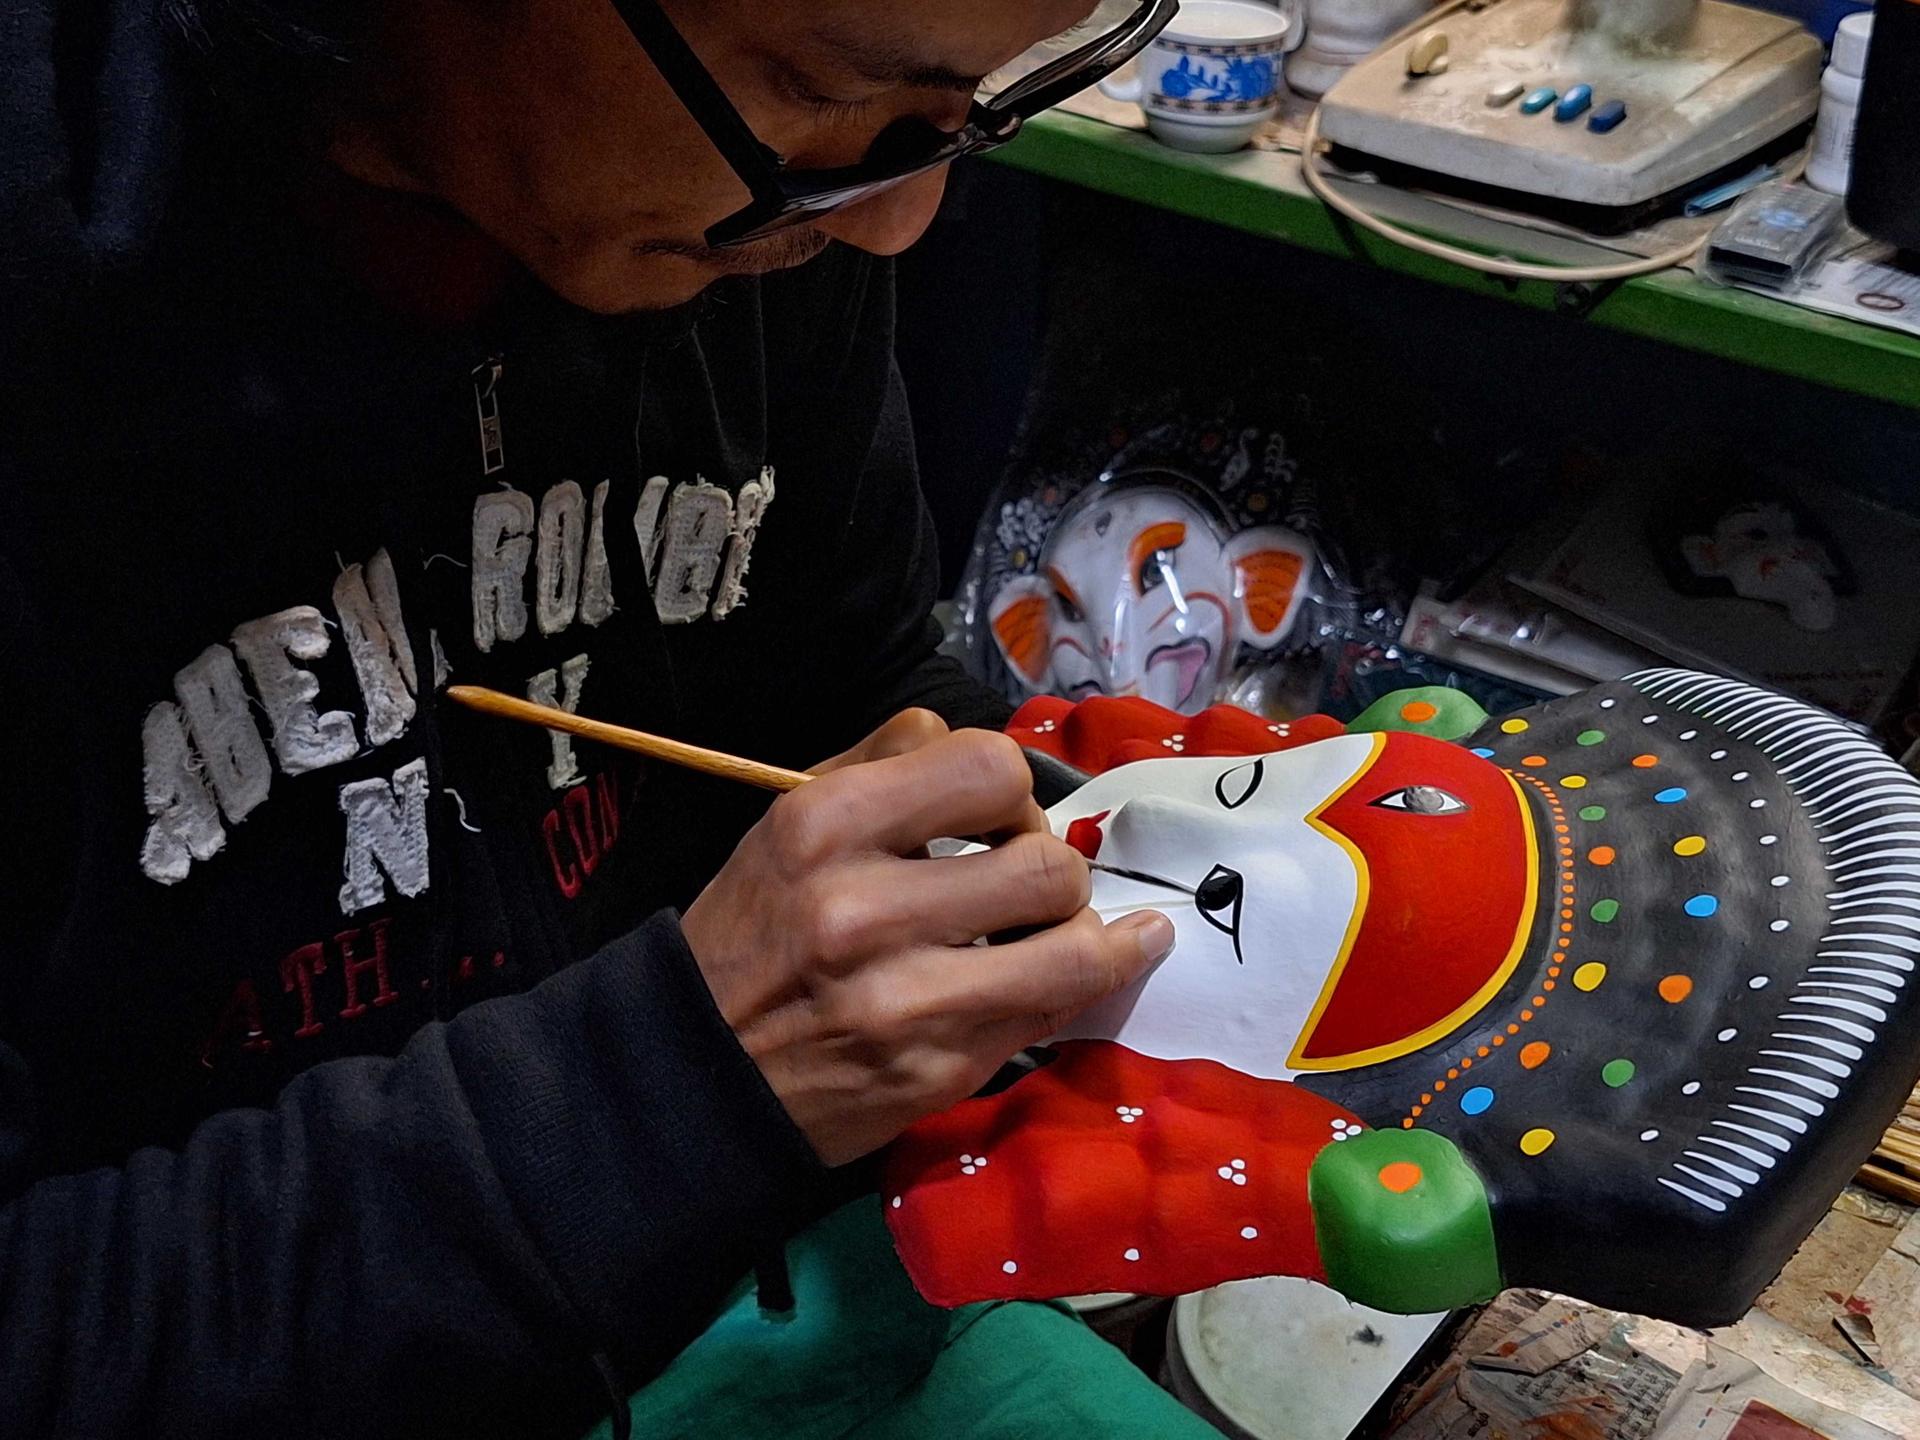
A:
[784,196]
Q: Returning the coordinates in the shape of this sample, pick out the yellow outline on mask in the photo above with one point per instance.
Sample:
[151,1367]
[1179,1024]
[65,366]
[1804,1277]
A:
[1393,1050]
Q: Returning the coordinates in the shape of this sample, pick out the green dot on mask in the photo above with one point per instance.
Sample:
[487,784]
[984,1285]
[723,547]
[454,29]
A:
[1593,812]
[1590,737]
[1617,1072]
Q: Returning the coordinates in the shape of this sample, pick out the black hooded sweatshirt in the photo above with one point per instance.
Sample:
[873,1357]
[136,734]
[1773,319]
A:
[355,1078]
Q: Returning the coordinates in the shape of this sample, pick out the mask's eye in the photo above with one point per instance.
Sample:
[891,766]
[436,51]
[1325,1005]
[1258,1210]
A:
[1422,800]
[1153,574]
[1236,787]
[1068,610]
[1150,556]
[1218,898]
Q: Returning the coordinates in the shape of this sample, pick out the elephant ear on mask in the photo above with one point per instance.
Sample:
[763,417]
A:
[1023,628]
[1273,568]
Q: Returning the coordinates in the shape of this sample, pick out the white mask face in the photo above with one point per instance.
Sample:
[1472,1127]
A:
[1144,596]
[1140,592]
[1239,994]
[1336,904]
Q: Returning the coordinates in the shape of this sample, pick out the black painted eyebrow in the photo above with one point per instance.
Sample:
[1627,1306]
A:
[1259,764]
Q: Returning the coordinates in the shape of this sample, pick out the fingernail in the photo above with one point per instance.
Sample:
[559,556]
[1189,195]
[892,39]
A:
[1153,930]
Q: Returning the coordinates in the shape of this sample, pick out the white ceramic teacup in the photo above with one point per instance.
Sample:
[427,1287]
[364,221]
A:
[1210,80]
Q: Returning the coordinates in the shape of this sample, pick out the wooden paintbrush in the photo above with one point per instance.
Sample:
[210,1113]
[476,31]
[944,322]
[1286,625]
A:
[656,747]
[678,752]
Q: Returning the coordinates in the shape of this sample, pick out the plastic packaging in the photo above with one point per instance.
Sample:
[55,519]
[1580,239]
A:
[1832,162]
[1185,564]
[1773,237]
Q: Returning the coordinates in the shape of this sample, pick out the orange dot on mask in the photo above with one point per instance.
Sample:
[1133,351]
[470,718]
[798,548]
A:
[1645,762]
[1535,1055]
[1600,855]
[1536,761]
[1418,712]
[1675,988]
[1401,1176]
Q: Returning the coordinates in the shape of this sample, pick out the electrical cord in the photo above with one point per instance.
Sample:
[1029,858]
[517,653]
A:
[1472,259]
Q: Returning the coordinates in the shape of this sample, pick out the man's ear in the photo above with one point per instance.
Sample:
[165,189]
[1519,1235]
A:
[1272,566]
[1022,627]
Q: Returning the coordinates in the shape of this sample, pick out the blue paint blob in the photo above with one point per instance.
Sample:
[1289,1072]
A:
[1701,906]
[1669,797]
[1483,752]
[1477,1101]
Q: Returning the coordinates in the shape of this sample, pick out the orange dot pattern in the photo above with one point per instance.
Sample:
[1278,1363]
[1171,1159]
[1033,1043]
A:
[1534,1054]
[1675,988]
[1401,1176]
[1418,712]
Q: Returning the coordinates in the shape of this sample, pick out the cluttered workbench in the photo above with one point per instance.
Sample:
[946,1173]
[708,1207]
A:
[1260,191]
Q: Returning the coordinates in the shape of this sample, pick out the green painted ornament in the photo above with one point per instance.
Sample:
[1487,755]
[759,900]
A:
[1403,1222]
[1425,710]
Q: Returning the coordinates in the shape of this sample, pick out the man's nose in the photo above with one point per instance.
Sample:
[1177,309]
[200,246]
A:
[890,221]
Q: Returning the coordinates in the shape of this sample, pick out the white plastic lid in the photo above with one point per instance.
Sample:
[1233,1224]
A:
[1850,43]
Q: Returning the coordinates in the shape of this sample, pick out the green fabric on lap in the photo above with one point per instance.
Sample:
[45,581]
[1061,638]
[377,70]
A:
[862,1357]
[1032,1372]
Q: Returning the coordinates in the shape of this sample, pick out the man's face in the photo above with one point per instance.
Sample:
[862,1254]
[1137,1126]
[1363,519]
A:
[545,124]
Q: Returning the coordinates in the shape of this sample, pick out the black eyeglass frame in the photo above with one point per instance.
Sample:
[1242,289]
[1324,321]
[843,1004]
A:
[784,196]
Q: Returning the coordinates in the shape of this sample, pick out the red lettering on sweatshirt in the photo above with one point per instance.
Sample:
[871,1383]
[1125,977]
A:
[581,830]
[242,1016]
[296,972]
[353,966]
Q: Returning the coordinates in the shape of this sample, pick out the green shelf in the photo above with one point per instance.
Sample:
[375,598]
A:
[1261,193]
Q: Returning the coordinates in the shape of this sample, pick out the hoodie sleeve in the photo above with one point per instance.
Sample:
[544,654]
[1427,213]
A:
[437,1243]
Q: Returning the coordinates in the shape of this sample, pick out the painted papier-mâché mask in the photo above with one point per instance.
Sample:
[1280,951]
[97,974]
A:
[1610,997]
[1140,591]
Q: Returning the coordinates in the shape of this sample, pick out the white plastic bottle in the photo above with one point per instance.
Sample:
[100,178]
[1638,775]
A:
[1839,105]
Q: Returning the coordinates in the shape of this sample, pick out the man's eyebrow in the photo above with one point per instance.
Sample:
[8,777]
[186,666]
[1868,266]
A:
[883,63]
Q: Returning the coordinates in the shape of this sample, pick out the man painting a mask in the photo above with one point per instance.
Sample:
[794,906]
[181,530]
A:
[371,1068]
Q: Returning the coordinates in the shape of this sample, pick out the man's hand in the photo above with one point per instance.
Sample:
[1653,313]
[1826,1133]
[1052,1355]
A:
[845,961]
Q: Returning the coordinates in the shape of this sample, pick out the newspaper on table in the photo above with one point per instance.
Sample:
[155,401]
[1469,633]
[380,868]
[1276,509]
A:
[1536,1365]
[1728,1397]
